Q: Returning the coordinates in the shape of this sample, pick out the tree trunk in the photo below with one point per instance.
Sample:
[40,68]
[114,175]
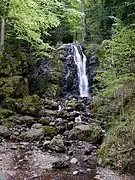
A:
[83,21]
[2,35]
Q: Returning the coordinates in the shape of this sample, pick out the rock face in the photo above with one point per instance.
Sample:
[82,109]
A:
[90,132]
[69,81]
[44,77]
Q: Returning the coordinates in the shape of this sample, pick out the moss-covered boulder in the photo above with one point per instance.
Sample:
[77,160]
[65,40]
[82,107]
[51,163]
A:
[16,87]
[49,131]
[29,105]
[90,132]
[4,113]
[44,120]
[9,103]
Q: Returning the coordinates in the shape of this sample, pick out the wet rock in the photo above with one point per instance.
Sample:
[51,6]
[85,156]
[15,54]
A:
[90,132]
[74,161]
[4,131]
[19,119]
[57,144]
[33,134]
[49,131]
[60,164]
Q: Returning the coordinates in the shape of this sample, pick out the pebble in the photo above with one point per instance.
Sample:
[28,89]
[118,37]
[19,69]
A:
[75,172]
[74,161]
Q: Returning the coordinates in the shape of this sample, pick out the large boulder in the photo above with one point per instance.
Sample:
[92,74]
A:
[28,105]
[4,113]
[33,134]
[90,132]
[19,119]
[16,87]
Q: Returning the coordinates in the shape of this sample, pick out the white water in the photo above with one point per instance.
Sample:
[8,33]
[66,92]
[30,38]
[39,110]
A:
[80,61]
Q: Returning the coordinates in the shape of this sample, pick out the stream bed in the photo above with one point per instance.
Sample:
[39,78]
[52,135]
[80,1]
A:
[25,161]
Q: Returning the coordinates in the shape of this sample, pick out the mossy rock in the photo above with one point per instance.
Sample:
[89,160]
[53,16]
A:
[29,105]
[7,122]
[44,120]
[52,90]
[71,103]
[9,103]
[90,133]
[16,87]
[4,113]
[49,131]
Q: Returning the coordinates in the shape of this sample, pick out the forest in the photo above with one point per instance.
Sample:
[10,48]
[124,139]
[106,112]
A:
[67,89]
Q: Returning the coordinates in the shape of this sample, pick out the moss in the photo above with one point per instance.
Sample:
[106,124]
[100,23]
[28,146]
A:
[5,121]
[16,87]
[9,103]
[44,120]
[49,131]
[5,113]
[94,132]
[71,103]
[118,148]
[90,133]
[29,105]
[52,90]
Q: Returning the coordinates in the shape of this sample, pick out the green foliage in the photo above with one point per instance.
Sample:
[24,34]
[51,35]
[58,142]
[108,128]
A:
[31,19]
[117,60]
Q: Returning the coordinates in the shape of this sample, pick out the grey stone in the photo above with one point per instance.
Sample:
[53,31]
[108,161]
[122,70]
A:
[74,161]
[4,131]
[33,134]
[57,144]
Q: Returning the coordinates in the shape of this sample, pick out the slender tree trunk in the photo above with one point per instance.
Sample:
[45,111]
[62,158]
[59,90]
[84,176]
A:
[2,35]
[83,21]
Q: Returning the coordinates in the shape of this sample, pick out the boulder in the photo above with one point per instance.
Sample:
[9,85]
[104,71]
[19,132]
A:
[28,105]
[4,113]
[4,131]
[90,132]
[33,134]
[19,119]
[57,144]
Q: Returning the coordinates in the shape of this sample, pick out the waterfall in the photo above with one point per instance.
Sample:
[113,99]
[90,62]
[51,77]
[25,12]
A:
[80,61]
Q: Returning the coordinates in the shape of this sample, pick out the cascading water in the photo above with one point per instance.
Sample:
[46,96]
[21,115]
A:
[80,61]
